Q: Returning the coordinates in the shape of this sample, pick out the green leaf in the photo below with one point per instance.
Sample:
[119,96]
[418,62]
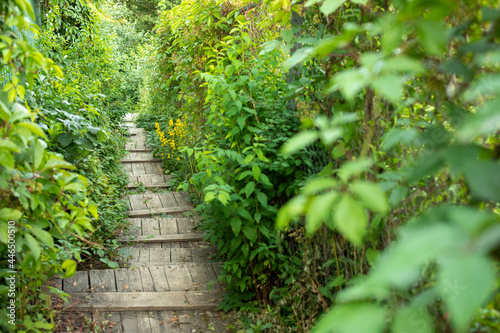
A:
[33,245]
[410,319]
[399,136]
[249,189]
[299,56]
[432,35]
[349,82]
[70,267]
[38,153]
[350,318]
[6,159]
[351,219]
[319,209]
[291,209]
[33,128]
[299,141]
[483,178]
[329,6]
[9,145]
[241,121]
[43,325]
[236,226]
[319,184]
[223,197]
[353,168]
[256,172]
[250,233]
[244,213]
[465,284]
[485,122]
[389,86]
[64,139]
[371,195]
[262,198]
[93,210]
[245,250]
[43,236]
[9,214]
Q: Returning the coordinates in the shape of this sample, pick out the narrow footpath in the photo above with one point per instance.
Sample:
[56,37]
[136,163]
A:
[163,286]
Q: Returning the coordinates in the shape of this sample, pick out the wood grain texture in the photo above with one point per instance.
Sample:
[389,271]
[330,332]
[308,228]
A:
[158,211]
[143,301]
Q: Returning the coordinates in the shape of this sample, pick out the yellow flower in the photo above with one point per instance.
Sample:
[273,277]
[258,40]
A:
[178,158]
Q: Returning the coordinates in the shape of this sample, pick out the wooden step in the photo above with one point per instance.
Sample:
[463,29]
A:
[163,238]
[146,160]
[145,150]
[148,185]
[143,301]
[158,211]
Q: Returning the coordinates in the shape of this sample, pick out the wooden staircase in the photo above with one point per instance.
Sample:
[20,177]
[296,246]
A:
[164,285]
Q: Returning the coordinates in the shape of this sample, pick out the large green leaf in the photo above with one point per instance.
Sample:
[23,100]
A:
[319,209]
[371,195]
[299,141]
[464,284]
[329,6]
[351,219]
[353,318]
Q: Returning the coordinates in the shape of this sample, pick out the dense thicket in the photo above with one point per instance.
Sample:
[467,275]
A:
[64,92]
[396,105]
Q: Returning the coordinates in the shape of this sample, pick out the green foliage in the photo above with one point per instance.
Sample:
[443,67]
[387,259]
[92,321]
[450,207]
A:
[399,146]
[49,120]
[43,204]
[413,82]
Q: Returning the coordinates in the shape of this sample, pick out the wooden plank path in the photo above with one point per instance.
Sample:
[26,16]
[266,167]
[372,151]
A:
[168,282]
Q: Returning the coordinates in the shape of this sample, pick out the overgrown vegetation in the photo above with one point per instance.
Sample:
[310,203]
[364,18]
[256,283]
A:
[395,102]
[66,86]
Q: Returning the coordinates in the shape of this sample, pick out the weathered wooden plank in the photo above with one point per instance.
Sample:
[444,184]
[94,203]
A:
[192,237]
[140,150]
[161,255]
[160,282]
[102,280]
[181,255]
[185,225]
[147,279]
[135,322]
[141,160]
[122,280]
[77,283]
[153,168]
[182,198]
[217,266]
[168,226]
[168,200]
[201,255]
[143,301]
[158,211]
[153,201]
[143,255]
[150,227]
[178,277]
[203,276]
[137,202]
[147,185]
[161,179]
[138,169]
[134,279]
[128,168]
